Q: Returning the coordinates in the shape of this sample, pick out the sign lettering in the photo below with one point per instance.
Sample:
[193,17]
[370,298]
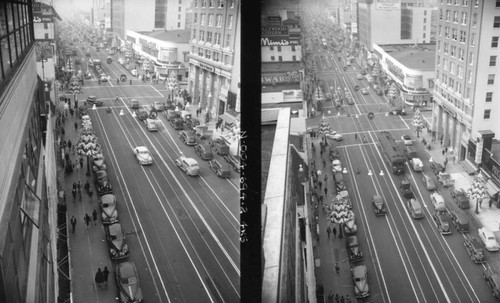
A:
[274,42]
[286,77]
[274,31]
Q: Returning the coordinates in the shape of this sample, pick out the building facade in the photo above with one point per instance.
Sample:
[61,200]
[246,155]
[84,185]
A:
[28,226]
[466,83]
[215,32]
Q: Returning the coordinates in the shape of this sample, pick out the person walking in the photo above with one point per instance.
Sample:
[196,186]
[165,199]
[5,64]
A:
[326,191]
[445,162]
[79,189]
[337,299]
[91,193]
[73,223]
[94,216]
[73,192]
[320,184]
[334,231]
[337,268]
[117,81]
[69,144]
[76,126]
[330,297]
[87,219]
[81,164]
[86,187]
[328,231]
[342,300]
[130,83]
[105,274]
[99,278]
[348,298]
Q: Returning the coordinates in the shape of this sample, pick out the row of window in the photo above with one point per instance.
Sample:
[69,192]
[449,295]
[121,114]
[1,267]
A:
[458,17]
[280,58]
[279,48]
[213,3]
[466,2]
[213,55]
[217,18]
[212,38]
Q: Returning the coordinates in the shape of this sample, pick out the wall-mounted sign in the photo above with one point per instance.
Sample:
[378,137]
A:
[479,151]
[168,54]
[395,70]
[276,41]
[388,4]
[413,81]
[274,31]
[283,77]
[274,20]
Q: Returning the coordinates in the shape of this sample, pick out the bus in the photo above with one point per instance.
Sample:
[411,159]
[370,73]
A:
[392,152]
[323,43]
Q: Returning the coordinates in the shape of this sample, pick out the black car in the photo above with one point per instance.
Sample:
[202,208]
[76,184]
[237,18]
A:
[94,100]
[102,183]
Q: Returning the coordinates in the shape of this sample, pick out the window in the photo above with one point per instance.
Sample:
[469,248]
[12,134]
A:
[438,63]
[194,34]
[446,32]
[293,48]
[491,78]
[460,72]
[474,19]
[207,54]
[464,18]
[476,3]
[203,3]
[209,37]
[425,19]
[202,21]
[271,47]
[425,13]
[195,3]
[425,28]
[453,50]
[200,52]
[455,17]
[461,54]
[280,59]
[202,35]
[489,96]
[179,9]
[445,65]
[211,3]
[439,46]
[473,39]
[493,60]
[448,16]
[216,57]
[487,113]
[465,2]
[219,20]
[469,77]
[452,68]
[440,14]
[457,2]
[45,25]
[445,48]
[440,30]
[294,58]
[195,18]
[228,41]
[230,21]
[462,36]
[497,3]
[496,22]
[272,58]
[217,38]
[451,83]
[221,3]
[210,19]
[494,41]
[454,34]
[179,17]
[279,48]
[231,3]
[471,58]
[46,36]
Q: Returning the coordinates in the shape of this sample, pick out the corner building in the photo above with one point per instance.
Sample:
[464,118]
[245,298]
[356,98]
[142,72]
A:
[213,60]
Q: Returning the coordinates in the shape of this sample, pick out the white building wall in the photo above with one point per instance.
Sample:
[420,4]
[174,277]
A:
[180,47]
[139,15]
[286,53]
[40,31]
[385,26]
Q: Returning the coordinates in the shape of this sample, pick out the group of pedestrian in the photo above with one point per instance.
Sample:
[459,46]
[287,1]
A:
[101,277]
[331,231]
[338,299]
[77,191]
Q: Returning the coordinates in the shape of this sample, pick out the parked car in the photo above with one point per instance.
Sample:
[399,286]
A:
[493,281]
[350,226]
[416,164]
[101,183]
[334,154]
[378,205]
[150,125]
[177,123]
[93,100]
[460,222]
[172,114]
[142,155]
[109,214]
[475,249]
[405,188]
[428,182]
[349,99]
[158,106]
[192,123]
[220,146]
[359,77]
[353,249]
[415,209]
[220,169]
[407,139]
[364,91]
[188,165]
[436,168]
[134,103]
[141,114]
[98,163]
[118,248]
[187,137]
[397,110]
[127,281]
[204,151]
[336,166]
[461,198]
[103,77]
[438,202]
[488,239]
[359,277]
[442,220]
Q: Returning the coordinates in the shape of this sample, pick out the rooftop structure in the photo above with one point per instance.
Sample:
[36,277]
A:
[413,56]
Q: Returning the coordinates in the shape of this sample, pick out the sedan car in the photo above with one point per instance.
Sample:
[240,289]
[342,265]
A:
[364,91]
[204,151]
[109,214]
[353,249]
[98,163]
[219,145]
[134,103]
[103,77]
[187,137]
[94,100]
[158,106]
[127,280]
[438,202]
[220,169]
[359,277]
[335,136]
[407,139]
[118,248]
[378,205]
[359,77]
[428,182]
[188,165]
[336,166]
[488,239]
[102,183]
[443,223]
[349,99]
[142,155]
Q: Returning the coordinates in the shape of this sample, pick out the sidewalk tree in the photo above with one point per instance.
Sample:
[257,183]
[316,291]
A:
[338,212]
[418,122]
[87,145]
[172,84]
[393,91]
[478,191]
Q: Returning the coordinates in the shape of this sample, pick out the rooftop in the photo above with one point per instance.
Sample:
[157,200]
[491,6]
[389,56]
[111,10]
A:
[175,36]
[421,57]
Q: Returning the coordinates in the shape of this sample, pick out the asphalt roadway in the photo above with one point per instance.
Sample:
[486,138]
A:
[182,232]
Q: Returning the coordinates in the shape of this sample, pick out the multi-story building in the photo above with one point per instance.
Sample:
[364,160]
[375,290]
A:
[212,62]
[395,22]
[28,197]
[467,76]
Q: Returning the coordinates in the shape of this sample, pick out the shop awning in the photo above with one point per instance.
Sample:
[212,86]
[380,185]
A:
[229,119]
[492,188]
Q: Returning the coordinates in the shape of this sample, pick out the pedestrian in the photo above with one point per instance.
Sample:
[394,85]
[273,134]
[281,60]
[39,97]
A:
[480,203]
[99,278]
[328,231]
[76,126]
[62,130]
[337,268]
[334,231]
[356,136]
[91,193]
[87,186]
[443,152]
[99,80]
[337,299]
[330,297]
[491,202]
[69,144]
[81,163]
[324,163]
[87,219]
[105,274]
[74,194]
[130,83]
[445,162]
[73,223]
[342,300]
[348,298]
[117,81]
[325,178]
[320,184]
[94,216]
[321,198]
[326,191]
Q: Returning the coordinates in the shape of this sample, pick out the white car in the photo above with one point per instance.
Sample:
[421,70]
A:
[143,155]
[416,164]
[359,77]
[103,77]
[438,202]
[188,165]
[134,72]
[336,166]
[364,91]
[488,239]
[407,139]
[334,136]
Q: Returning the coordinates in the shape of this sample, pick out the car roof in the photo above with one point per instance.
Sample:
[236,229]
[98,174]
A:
[359,271]
[190,161]
[437,196]
[108,198]
[377,198]
[115,229]
[142,148]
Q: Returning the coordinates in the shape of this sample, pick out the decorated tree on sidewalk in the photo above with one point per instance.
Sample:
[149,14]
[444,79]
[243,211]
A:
[172,85]
[87,144]
[418,122]
[393,92]
[478,191]
[338,212]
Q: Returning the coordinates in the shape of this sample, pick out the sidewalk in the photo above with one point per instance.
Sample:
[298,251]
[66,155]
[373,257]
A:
[87,246]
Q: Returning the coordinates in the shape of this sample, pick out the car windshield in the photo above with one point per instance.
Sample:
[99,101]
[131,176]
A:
[194,165]
[491,238]
[131,280]
[143,152]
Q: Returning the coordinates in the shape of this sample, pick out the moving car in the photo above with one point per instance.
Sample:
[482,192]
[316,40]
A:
[134,72]
[488,239]
[378,205]
[359,77]
[134,103]
[109,214]
[204,151]
[219,145]
[93,100]
[460,222]
[475,249]
[171,114]
[396,110]
[438,202]
[335,136]
[416,164]
[187,137]
[461,198]
[334,154]
[364,91]
[127,280]
[414,208]
[336,166]
[142,155]
[220,169]
[177,123]
[405,188]
[359,277]
[118,248]
[428,182]
[188,165]
[103,77]
[407,139]
[158,106]
[141,114]
[349,99]
[442,220]
[151,125]
[353,249]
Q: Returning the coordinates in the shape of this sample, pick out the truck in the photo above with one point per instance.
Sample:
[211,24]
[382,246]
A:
[405,189]
[474,248]
[392,152]
[445,179]
[493,281]
[460,198]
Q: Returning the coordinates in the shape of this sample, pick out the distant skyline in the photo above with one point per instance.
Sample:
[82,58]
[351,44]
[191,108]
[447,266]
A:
[66,8]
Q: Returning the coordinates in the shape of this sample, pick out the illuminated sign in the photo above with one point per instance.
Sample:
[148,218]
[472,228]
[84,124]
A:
[284,77]
[479,151]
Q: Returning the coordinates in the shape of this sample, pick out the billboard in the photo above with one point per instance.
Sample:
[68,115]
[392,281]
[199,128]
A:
[280,77]
[388,4]
[413,81]
[168,54]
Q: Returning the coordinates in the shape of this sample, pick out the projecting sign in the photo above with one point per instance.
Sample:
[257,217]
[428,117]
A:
[388,4]
[479,151]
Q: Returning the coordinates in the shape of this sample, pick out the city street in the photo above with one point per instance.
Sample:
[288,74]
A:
[182,231]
